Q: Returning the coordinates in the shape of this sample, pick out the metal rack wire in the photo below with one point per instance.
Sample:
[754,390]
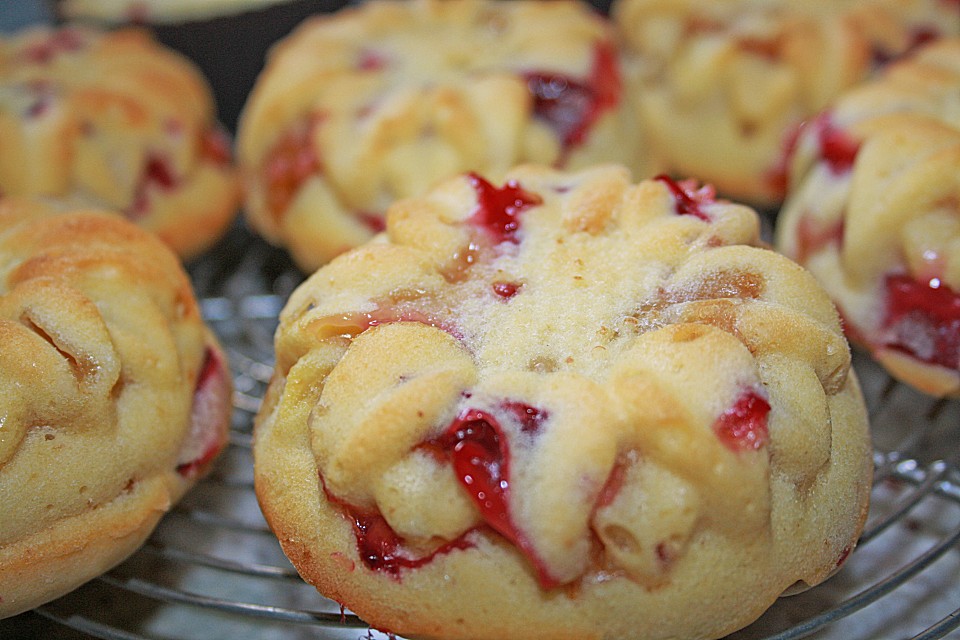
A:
[213,570]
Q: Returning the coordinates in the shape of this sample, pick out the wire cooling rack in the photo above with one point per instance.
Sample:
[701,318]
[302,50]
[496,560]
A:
[212,570]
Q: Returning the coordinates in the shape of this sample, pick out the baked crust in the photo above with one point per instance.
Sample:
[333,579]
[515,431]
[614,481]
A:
[565,407]
[378,102]
[722,85]
[872,212]
[157,11]
[113,120]
[116,395]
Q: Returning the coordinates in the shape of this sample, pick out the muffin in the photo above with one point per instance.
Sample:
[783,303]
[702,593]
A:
[873,212]
[378,102]
[723,85]
[562,406]
[115,121]
[116,397]
[227,39]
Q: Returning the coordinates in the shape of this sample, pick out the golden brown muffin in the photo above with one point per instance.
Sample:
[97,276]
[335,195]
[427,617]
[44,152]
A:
[116,397]
[379,101]
[566,406]
[874,212]
[227,39]
[723,84]
[113,120]
[160,11]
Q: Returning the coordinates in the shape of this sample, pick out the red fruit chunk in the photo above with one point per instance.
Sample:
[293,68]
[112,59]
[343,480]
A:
[61,41]
[381,549]
[370,60]
[372,221]
[530,418]
[919,37]
[687,198]
[159,172]
[476,446]
[379,546]
[571,108]
[505,289]
[618,475]
[837,148]
[39,107]
[157,175]
[290,162]
[778,175]
[743,427]
[844,554]
[41,94]
[498,209]
[215,147]
[481,461]
[923,320]
[138,13]
[208,417]
[812,236]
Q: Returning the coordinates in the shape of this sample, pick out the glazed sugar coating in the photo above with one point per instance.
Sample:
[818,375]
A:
[722,85]
[113,120]
[873,213]
[378,102]
[564,406]
[116,397]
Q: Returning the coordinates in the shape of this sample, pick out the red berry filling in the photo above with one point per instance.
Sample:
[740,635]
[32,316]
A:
[778,176]
[206,438]
[688,199]
[290,162]
[478,450]
[41,93]
[837,148]
[498,209]
[919,37]
[530,418]
[138,13]
[923,320]
[813,236]
[158,175]
[743,427]
[615,482]
[844,554]
[379,546]
[571,108]
[61,41]
[215,147]
[369,60]
[481,460]
[505,290]
[372,221]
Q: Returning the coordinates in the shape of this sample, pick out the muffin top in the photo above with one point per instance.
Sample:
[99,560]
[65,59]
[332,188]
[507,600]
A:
[722,85]
[378,102]
[872,213]
[116,396]
[541,357]
[113,120]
